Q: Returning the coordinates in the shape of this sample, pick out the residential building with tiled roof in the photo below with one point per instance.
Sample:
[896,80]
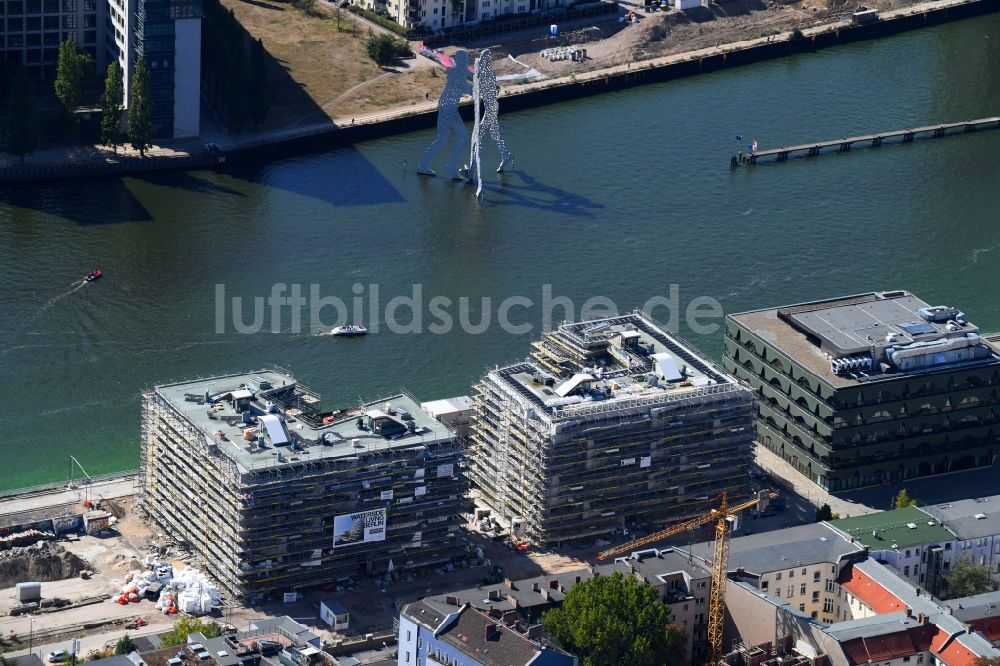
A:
[913,543]
[432,634]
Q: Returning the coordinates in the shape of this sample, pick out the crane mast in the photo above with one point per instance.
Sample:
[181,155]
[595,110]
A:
[721,515]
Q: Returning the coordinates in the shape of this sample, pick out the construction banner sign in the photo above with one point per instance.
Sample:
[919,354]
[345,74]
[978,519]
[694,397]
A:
[360,527]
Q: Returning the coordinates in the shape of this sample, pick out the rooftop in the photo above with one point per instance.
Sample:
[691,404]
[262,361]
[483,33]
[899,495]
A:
[540,591]
[899,528]
[970,518]
[798,546]
[870,337]
[611,362]
[266,419]
[977,607]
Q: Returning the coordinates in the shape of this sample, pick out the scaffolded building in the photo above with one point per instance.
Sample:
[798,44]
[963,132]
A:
[611,424]
[273,495]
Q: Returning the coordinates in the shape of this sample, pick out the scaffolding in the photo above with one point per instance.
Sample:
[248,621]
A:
[265,529]
[589,469]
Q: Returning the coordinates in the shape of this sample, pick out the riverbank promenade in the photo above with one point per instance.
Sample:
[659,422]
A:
[218,148]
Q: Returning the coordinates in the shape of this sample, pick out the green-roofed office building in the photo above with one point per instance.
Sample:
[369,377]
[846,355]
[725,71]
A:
[869,389]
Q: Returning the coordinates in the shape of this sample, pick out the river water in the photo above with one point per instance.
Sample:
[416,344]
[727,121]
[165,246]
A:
[621,195]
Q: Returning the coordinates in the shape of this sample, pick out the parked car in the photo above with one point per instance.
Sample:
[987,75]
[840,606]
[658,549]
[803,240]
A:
[57,656]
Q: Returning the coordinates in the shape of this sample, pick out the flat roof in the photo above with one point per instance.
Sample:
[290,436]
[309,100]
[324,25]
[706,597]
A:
[899,528]
[628,352]
[803,545]
[966,609]
[311,433]
[969,518]
[439,408]
[812,333]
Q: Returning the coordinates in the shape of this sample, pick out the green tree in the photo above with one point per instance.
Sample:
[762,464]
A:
[824,513]
[382,48]
[124,645]
[111,107]
[257,83]
[616,620]
[140,120]
[189,625]
[968,578]
[71,70]
[903,500]
[986,661]
[22,127]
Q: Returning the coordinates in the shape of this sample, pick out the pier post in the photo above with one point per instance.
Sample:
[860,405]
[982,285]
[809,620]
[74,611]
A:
[908,137]
[845,147]
[939,131]
[876,141]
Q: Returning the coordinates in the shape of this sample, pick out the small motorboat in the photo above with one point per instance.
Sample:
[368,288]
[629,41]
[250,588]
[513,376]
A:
[349,330]
[94,275]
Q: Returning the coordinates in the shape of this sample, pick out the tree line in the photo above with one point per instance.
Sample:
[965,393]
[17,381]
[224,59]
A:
[73,68]
[233,69]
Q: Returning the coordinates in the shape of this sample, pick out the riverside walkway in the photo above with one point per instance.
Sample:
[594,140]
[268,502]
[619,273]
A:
[874,140]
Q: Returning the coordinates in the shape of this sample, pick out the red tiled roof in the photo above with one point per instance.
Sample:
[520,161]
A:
[988,626]
[869,592]
[956,654]
[879,648]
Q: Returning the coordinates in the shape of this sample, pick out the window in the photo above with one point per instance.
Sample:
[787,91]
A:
[827,605]
[815,576]
[777,590]
[802,608]
[791,574]
[407,657]
[802,589]
[763,585]
[408,637]
[829,586]
[815,596]
[906,571]
[947,546]
[814,614]
[791,591]
[777,576]
[907,553]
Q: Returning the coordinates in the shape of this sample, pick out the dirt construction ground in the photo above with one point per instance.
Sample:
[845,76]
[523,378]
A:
[320,71]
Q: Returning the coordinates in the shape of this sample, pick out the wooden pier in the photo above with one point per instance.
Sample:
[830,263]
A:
[874,140]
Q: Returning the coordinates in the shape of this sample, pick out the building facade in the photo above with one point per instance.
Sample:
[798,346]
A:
[441,14]
[613,424]
[272,494]
[868,389]
[32,30]
[435,635]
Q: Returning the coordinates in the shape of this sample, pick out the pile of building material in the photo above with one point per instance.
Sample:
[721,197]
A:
[44,561]
[24,538]
[186,590]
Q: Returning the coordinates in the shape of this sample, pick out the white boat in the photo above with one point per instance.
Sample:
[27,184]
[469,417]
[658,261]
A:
[349,330]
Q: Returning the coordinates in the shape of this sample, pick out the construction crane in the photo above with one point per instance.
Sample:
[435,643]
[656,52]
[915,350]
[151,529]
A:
[717,595]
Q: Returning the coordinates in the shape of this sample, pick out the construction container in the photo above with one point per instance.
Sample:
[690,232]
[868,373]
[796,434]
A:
[27,592]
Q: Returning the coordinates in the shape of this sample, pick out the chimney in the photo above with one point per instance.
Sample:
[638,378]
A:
[452,601]
[494,595]
[921,618]
[909,612]
[553,584]
[508,583]
[535,586]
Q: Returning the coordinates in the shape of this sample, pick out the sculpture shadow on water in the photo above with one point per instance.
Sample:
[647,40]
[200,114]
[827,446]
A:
[519,188]
[349,180]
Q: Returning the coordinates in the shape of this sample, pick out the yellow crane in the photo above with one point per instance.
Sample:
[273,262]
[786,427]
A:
[717,595]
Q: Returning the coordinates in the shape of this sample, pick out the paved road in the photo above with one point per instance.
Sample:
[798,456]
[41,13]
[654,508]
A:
[809,490]
[37,500]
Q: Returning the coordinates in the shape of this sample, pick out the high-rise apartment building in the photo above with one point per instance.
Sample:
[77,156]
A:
[612,424]
[273,494]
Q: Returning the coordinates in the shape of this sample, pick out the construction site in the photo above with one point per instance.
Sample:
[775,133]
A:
[612,425]
[272,494]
